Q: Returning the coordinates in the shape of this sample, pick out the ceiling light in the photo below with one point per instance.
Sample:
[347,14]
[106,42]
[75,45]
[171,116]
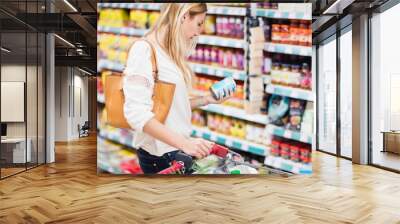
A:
[65,41]
[70,5]
[5,49]
[86,72]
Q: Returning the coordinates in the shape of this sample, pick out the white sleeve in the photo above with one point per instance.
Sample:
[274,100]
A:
[138,86]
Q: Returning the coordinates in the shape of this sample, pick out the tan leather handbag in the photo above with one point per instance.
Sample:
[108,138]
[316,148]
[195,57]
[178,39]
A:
[163,94]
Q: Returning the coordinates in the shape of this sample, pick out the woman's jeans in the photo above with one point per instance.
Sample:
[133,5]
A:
[151,164]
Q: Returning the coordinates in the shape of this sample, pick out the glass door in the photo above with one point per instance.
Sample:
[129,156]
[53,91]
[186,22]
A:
[327,96]
[346,93]
[385,90]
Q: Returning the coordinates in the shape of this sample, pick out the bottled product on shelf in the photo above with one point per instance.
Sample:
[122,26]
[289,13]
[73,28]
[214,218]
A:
[113,18]
[267,63]
[292,71]
[290,150]
[218,56]
[267,5]
[114,47]
[292,32]
[229,26]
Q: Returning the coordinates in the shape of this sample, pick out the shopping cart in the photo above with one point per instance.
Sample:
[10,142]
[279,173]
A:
[220,161]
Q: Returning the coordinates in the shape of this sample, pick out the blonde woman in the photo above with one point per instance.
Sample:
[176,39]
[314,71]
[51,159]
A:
[173,37]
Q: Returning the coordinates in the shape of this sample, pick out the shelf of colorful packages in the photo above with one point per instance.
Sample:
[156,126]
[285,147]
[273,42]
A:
[236,113]
[222,41]
[283,11]
[288,49]
[225,10]
[129,31]
[122,136]
[104,64]
[218,71]
[116,159]
[145,6]
[229,141]
[217,10]
[288,165]
[288,134]
[291,92]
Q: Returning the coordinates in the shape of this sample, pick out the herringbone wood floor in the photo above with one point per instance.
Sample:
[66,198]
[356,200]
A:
[70,191]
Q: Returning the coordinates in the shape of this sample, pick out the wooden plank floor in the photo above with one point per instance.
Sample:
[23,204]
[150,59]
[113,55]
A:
[70,191]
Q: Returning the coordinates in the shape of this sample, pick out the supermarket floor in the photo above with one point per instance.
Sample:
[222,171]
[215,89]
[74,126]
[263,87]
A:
[70,191]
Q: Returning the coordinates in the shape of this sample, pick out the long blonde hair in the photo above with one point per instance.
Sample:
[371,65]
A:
[173,42]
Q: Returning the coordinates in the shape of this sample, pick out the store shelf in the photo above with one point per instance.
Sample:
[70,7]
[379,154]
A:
[104,64]
[218,71]
[230,141]
[279,14]
[122,30]
[121,136]
[288,49]
[222,41]
[147,6]
[106,167]
[288,165]
[100,98]
[290,92]
[224,10]
[285,133]
[236,113]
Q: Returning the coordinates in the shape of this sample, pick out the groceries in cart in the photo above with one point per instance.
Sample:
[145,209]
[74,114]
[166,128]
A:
[220,161]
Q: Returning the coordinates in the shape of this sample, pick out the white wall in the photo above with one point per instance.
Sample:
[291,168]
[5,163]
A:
[71,93]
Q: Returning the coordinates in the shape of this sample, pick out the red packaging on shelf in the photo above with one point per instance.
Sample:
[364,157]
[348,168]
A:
[284,150]
[275,151]
[305,155]
[294,153]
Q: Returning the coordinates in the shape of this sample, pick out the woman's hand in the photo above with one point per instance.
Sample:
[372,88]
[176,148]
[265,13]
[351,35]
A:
[197,147]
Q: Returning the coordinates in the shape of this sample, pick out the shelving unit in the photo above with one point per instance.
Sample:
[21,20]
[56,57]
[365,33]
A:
[279,14]
[288,165]
[145,6]
[122,136]
[236,113]
[293,135]
[296,93]
[110,169]
[231,141]
[225,10]
[122,30]
[218,71]
[104,64]
[222,41]
[288,49]
[125,138]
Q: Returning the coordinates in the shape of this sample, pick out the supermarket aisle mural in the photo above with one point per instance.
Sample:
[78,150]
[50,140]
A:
[266,47]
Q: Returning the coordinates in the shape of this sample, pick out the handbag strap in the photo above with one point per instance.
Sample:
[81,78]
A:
[153,59]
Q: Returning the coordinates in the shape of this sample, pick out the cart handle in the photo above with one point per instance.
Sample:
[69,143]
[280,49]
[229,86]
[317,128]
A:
[176,166]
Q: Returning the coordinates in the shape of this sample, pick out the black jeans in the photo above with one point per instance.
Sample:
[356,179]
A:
[151,164]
